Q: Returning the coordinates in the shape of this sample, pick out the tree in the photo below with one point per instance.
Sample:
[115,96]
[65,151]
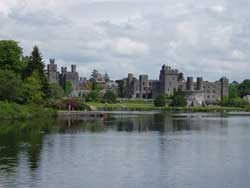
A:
[56,91]
[36,64]
[9,84]
[68,88]
[94,75]
[93,96]
[244,88]
[180,77]
[31,90]
[109,97]
[233,91]
[121,88]
[10,55]
[160,101]
[106,77]
[179,99]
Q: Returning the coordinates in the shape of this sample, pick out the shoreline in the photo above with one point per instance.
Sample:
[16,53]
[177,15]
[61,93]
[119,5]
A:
[151,108]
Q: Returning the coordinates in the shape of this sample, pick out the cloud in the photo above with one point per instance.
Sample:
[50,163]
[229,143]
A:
[207,38]
[218,8]
[128,47]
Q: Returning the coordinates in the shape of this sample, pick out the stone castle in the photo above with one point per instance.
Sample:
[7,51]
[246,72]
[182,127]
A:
[197,92]
[61,78]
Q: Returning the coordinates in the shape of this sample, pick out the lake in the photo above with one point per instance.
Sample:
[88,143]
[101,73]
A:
[127,150]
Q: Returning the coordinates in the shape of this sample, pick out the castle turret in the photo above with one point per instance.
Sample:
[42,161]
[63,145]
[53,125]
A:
[130,77]
[199,85]
[64,70]
[168,80]
[52,73]
[73,68]
[190,83]
[224,87]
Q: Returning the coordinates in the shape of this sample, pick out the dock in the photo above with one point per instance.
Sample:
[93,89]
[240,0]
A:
[81,114]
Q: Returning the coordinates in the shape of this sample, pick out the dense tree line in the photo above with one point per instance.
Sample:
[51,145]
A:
[237,92]
[22,78]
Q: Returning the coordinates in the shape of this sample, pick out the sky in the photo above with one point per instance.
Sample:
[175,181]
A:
[209,38]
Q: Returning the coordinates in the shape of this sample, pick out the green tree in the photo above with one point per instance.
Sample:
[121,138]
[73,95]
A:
[10,55]
[56,91]
[109,97]
[94,75]
[121,88]
[179,99]
[68,88]
[180,77]
[36,64]
[233,91]
[9,84]
[31,90]
[93,96]
[160,101]
[106,77]
[244,88]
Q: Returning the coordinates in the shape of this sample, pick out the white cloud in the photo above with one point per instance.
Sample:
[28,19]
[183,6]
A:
[218,8]
[207,38]
[128,47]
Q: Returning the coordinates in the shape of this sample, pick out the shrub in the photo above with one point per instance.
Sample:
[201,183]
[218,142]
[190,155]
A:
[109,97]
[93,96]
[160,101]
[64,104]
[179,101]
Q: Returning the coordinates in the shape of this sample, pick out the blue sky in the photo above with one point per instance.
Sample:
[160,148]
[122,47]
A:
[209,38]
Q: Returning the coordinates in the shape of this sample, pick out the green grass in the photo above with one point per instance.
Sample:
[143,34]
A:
[15,111]
[134,106]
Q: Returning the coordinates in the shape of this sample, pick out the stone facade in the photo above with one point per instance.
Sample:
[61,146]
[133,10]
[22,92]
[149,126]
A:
[197,93]
[62,77]
[80,86]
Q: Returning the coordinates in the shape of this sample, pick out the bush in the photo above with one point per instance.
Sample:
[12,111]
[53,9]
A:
[63,104]
[9,85]
[93,96]
[179,101]
[109,97]
[16,111]
[234,102]
[56,91]
[160,101]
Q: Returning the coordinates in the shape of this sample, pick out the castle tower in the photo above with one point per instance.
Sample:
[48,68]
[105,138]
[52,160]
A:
[63,70]
[73,68]
[199,85]
[224,87]
[168,80]
[143,81]
[53,75]
[190,85]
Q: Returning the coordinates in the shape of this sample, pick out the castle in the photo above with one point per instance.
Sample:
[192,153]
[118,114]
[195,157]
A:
[61,78]
[197,93]
[170,80]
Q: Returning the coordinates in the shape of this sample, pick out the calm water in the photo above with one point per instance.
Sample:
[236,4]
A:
[127,151]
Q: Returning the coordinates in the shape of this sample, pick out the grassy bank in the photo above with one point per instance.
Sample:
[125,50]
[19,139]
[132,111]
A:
[9,111]
[129,106]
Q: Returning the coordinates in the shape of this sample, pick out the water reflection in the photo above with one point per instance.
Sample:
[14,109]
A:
[27,147]
[166,123]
